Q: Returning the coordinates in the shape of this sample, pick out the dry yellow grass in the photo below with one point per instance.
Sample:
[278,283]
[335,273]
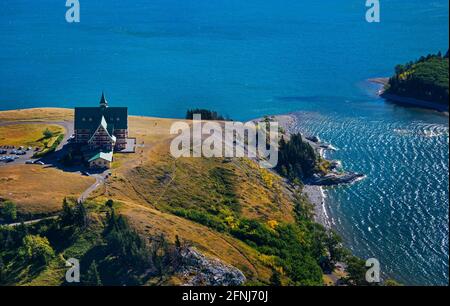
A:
[152,179]
[37,114]
[39,190]
[26,134]
[149,181]
[150,222]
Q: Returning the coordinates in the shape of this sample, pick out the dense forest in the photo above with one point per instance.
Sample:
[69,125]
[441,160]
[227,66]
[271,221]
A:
[110,251]
[425,79]
[296,158]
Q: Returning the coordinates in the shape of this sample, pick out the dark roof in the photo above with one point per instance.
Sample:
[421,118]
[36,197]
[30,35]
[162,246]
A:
[90,117]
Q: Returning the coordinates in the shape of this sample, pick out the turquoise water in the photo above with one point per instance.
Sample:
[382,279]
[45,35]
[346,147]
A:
[256,57]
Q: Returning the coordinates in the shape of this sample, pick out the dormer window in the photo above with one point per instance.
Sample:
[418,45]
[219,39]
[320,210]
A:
[118,119]
[90,119]
[84,119]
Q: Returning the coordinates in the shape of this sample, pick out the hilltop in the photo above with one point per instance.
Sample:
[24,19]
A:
[215,217]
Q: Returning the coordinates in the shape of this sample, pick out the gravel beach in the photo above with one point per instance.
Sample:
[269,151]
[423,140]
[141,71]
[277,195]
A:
[314,193]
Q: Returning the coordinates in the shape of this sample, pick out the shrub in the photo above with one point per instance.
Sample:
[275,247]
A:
[8,211]
[37,248]
[47,133]
[50,149]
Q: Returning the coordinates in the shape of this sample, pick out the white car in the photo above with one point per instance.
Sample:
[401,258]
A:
[39,163]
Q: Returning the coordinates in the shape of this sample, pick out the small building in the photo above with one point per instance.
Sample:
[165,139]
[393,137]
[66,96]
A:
[101,160]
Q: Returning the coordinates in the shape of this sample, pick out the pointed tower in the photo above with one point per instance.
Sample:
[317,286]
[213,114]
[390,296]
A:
[103,102]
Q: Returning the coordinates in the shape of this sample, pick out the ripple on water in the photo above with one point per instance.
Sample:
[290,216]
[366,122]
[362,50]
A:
[399,214]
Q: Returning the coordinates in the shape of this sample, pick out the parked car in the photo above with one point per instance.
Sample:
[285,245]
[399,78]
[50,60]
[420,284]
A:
[7,159]
[20,152]
[3,151]
[85,173]
[29,162]
[38,162]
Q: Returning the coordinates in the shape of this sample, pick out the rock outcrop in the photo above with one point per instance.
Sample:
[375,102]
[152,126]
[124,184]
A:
[199,270]
[336,178]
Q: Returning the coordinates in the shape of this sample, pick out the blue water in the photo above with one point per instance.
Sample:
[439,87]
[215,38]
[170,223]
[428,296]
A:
[256,57]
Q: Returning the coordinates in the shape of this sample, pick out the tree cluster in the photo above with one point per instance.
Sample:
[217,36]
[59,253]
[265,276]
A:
[425,79]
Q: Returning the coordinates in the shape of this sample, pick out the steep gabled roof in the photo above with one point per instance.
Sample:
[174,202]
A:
[90,117]
[106,127]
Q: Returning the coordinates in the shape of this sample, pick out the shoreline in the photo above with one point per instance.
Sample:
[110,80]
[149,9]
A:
[407,101]
[315,193]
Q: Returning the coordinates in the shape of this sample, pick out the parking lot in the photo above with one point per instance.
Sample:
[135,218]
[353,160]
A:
[17,155]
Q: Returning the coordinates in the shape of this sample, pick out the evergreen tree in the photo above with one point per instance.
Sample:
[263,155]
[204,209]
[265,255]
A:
[80,215]
[296,158]
[67,214]
[275,279]
[2,272]
[92,275]
[425,79]
[109,203]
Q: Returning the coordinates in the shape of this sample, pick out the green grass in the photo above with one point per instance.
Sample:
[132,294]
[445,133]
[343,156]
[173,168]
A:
[28,134]
[50,145]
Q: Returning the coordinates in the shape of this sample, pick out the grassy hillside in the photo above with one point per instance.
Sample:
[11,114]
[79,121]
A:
[228,209]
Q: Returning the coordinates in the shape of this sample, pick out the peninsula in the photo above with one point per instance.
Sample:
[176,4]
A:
[423,83]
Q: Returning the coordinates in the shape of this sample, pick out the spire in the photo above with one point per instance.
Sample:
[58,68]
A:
[103,102]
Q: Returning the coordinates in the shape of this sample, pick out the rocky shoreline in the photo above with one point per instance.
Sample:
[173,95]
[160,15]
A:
[314,187]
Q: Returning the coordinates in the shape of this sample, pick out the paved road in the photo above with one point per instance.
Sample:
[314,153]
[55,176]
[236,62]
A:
[30,221]
[99,180]
[68,126]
